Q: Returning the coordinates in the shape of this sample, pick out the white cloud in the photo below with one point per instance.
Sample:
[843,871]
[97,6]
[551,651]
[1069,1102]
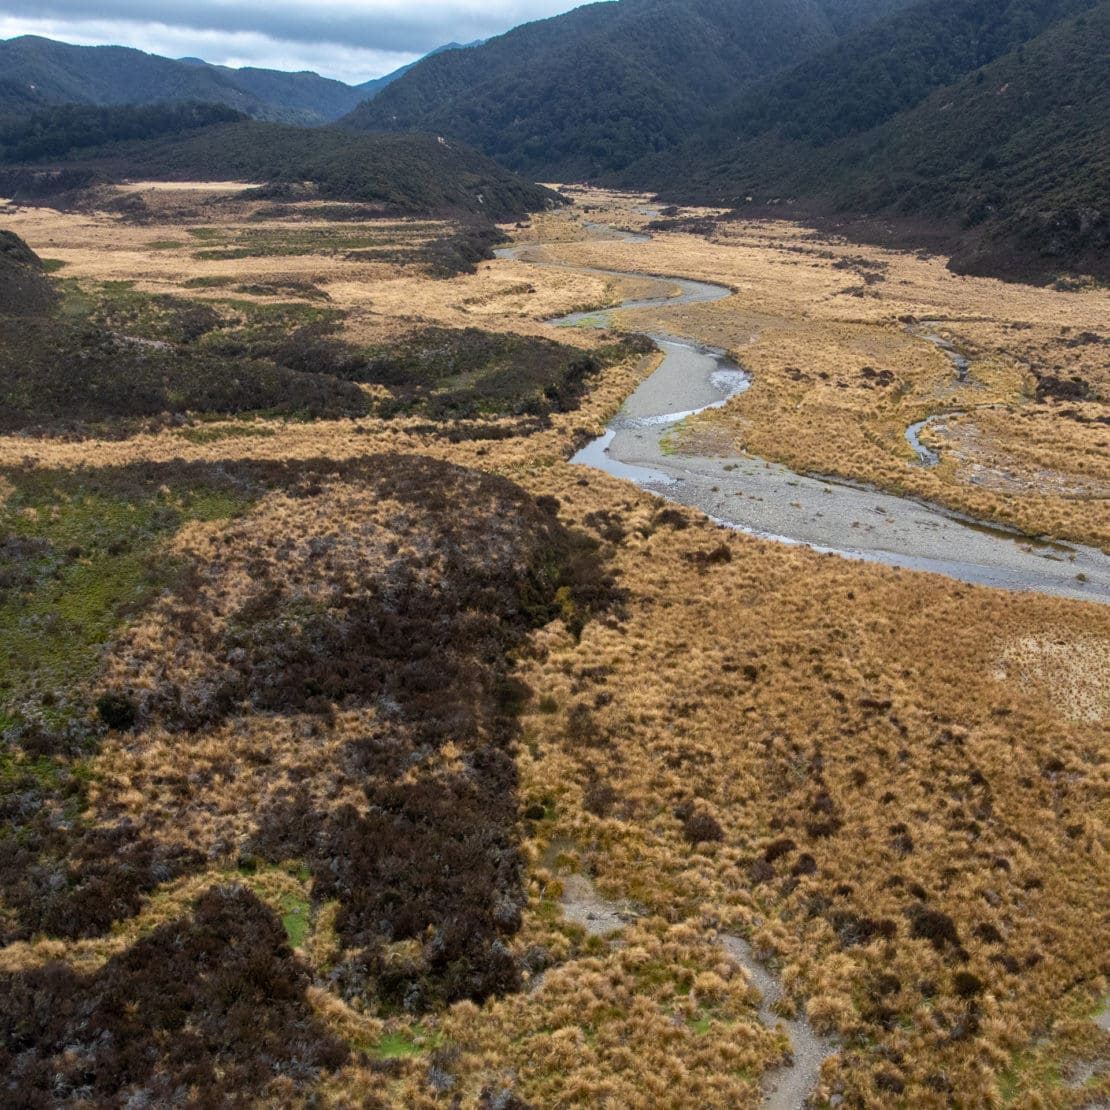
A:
[345,63]
[350,39]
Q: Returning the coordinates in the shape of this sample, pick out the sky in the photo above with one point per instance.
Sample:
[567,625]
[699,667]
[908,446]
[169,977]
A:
[352,40]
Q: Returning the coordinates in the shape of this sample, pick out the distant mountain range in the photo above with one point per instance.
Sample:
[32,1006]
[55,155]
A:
[39,73]
[976,125]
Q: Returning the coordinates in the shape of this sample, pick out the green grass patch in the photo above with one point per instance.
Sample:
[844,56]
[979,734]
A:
[165,244]
[52,265]
[670,443]
[214,435]
[400,1045]
[296,914]
[75,562]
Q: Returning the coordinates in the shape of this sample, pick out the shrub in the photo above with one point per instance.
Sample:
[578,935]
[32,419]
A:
[932,925]
[214,1002]
[701,827]
[116,710]
[967,985]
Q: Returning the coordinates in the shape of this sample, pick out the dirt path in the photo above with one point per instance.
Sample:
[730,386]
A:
[786,1088]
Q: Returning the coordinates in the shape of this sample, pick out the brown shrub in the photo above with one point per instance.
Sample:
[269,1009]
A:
[213,1004]
[701,827]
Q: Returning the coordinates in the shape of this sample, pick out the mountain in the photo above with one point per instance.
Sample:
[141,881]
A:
[40,72]
[601,86]
[985,117]
[74,147]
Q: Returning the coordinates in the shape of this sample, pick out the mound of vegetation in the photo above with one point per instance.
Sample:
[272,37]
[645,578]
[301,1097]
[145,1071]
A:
[110,360]
[213,1004]
[449,374]
[24,288]
[114,359]
[403,173]
[590,91]
[412,609]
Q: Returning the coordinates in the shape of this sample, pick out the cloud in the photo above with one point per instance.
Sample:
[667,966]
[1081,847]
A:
[393,26]
[345,63]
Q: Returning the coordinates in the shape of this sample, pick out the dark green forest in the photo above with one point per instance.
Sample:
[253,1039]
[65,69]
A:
[1011,158]
[68,129]
[591,91]
[67,148]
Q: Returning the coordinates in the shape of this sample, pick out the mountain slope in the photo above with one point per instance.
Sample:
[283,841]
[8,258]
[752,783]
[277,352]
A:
[592,90]
[39,72]
[1010,157]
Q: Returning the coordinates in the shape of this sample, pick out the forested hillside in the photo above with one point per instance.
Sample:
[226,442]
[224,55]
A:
[57,133]
[591,91]
[1011,156]
[405,173]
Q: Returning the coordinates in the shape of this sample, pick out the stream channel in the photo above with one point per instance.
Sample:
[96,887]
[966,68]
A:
[772,502]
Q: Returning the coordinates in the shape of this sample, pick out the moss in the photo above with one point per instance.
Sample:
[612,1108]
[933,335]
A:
[405,1043]
[296,916]
[85,560]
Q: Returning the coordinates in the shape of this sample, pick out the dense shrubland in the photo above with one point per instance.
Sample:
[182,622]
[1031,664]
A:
[110,359]
[408,615]
[147,1027]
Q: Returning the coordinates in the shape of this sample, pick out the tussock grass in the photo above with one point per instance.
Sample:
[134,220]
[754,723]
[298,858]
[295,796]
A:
[421,649]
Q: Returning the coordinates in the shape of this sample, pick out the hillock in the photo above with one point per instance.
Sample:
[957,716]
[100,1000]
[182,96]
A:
[24,288]
[407,173]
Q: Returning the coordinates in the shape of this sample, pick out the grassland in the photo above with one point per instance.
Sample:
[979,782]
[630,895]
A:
[365,645]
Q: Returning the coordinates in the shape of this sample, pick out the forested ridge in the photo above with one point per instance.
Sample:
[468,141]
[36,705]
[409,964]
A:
[1010,156]
[588,92]
[40,73]
[67,148]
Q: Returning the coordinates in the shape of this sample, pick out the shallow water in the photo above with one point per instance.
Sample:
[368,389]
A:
[771,501]
[926,455]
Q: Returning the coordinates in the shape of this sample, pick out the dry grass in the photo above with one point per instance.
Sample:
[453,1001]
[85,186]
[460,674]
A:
[909,774]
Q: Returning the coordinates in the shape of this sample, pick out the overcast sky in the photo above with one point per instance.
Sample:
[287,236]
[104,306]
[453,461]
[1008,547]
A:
[353,40]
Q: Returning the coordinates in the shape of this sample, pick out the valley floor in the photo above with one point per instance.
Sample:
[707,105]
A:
[552,857]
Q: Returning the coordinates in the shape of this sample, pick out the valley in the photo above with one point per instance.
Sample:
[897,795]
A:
[302,592]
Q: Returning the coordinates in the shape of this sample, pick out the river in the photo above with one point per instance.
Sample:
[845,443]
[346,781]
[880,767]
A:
[768,500]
